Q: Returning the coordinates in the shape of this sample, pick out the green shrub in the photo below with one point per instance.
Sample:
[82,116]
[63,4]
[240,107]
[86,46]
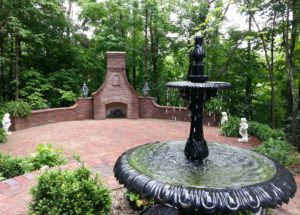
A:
[231,127]
[36,101]
[279,150]
[2,136]
[2,110]
[45,155]
[10,166]
[214,105]
[136,201]
[69,192]
[18,109]
[265,132]
[1,176]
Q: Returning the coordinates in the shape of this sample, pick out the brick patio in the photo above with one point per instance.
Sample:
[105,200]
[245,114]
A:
[99,143]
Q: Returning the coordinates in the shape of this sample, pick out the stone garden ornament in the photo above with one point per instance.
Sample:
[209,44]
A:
[224,118]
[85,90]
[243,131]
[6,123]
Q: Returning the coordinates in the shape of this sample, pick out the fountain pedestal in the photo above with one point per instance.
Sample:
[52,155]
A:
[196,147]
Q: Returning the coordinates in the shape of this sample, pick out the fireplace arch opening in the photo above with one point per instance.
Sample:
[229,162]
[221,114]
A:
[116,110]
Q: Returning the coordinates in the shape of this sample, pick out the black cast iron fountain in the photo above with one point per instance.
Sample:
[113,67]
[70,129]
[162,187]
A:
[194,177]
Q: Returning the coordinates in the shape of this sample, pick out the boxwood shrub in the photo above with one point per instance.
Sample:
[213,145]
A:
[279,150]
[2,136]
[70,192]
[10,166]
[231,127]
[265,132]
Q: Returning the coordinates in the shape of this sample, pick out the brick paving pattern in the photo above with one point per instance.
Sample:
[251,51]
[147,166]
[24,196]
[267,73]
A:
[99,143]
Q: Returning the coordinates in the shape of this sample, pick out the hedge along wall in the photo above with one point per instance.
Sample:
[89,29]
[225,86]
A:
[84,109]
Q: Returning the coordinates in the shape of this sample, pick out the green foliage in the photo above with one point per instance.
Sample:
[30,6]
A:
[36,101]
[265,132]
[136,201]
[67,96]
[45,155]
[3,138]
[2,110]
[279,150]
[231,127]
[215,105]
[1,176]
[33,92]
[18,109]
[10,166]
[69,192]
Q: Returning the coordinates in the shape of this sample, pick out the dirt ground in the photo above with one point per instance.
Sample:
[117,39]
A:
[120,205]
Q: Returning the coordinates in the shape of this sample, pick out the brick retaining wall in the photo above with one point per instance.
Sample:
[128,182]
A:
[82,109]
[150,109]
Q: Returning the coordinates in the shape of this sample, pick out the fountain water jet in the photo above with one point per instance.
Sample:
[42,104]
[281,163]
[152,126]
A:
[194,177]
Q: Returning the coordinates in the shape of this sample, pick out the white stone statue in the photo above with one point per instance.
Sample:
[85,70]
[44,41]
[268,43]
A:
[224,118]
[243,131]
[6,123]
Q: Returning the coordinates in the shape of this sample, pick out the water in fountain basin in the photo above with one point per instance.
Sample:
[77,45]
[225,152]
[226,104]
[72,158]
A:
[166,162]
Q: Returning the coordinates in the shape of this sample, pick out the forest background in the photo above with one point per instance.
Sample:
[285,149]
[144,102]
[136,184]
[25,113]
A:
[46,55]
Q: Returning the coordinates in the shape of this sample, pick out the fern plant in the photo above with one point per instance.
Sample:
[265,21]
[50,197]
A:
[18,109]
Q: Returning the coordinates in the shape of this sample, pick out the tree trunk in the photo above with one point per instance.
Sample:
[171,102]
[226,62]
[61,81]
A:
[273,93]
[17,66]
[134,76]
[146,40]
[290,40]
[2,68]
[248,90]
[10,77]
[69,17]
[154,53]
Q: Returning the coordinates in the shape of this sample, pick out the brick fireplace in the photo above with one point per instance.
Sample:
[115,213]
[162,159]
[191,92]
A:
[116,94]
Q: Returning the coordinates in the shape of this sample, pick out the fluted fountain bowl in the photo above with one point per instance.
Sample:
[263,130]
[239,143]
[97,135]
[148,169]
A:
[230,179]
[206,90]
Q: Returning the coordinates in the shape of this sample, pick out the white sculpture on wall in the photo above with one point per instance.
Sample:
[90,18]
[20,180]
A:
[6,123]
[243,131]
[224,118]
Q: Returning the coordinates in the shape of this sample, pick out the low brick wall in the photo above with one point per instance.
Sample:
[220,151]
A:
[150,109]
[82,109]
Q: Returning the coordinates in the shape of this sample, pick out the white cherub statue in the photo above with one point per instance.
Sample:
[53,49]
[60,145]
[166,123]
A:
[6,123]
[243,131]
[224,118]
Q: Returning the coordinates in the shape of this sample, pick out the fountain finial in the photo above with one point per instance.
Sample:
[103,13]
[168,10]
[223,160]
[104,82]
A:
[196,68]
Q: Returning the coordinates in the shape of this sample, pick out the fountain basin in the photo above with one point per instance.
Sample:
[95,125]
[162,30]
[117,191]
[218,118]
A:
[229,180]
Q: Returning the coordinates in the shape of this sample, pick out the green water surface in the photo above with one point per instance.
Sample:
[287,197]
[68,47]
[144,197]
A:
[225,167]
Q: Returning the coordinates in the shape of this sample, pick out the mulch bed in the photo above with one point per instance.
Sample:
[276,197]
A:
[120,205]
